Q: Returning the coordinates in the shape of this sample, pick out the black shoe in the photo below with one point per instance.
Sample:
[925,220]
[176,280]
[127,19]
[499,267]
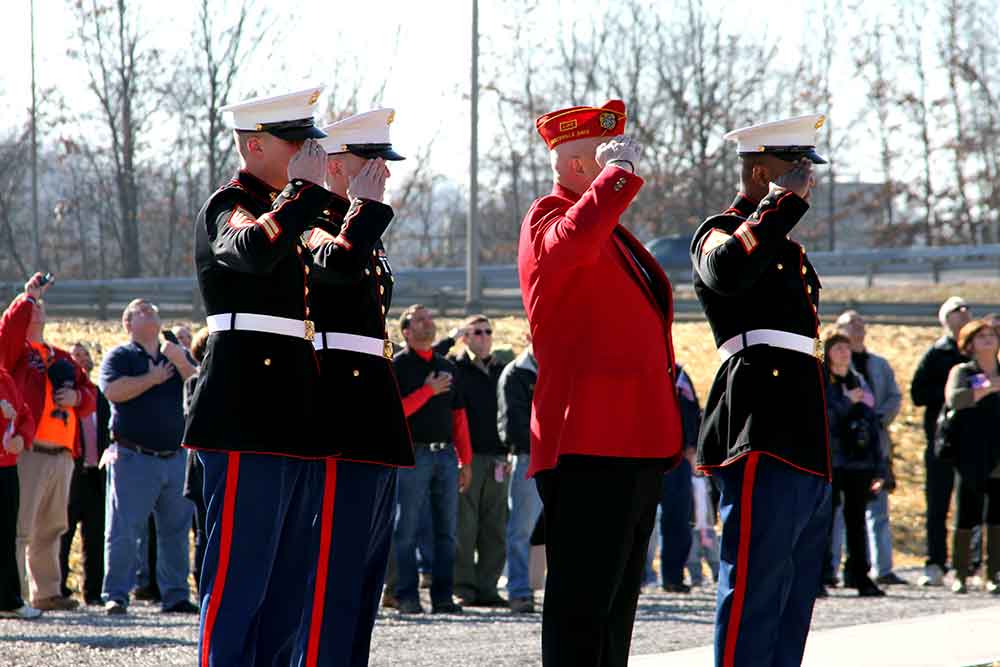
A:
[93,602]
[831,581]
[446,608]
[182,607]
[676,588]
[494,601]
[849,581]
[147,593]
[891,579]
[522,605]
[115,608]
[409,607]
[822,592]
[868,589]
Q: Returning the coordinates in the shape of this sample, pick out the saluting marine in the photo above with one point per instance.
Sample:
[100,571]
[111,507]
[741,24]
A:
[252,411]
[764,435]
[359,409]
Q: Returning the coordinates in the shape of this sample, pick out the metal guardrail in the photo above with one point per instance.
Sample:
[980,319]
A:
[443,288]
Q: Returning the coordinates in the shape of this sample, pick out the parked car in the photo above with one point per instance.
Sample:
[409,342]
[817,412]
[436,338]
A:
[673,254]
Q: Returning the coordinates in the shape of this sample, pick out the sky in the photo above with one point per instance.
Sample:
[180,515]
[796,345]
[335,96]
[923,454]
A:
[427,71]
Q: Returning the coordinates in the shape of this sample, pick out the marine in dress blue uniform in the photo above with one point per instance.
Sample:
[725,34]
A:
[252,409]
[358,402]
[764,434]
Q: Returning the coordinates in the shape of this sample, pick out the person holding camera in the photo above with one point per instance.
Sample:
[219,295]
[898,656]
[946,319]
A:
[59,394]
[971,397]
[860,463]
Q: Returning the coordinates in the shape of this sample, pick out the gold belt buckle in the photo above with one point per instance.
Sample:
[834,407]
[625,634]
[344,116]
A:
[310,330]
[387,349]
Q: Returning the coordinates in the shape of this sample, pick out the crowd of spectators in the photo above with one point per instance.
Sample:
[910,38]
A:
[107,460]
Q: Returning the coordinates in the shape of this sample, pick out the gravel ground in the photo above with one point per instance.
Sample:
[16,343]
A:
[146,638]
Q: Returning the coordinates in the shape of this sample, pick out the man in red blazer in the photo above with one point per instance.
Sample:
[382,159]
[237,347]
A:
[605,424]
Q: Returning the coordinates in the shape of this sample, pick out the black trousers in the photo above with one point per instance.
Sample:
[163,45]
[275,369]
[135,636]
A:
[10,500]
[86,507]
[599,515]
[971,501]
[938,486]
[851,489]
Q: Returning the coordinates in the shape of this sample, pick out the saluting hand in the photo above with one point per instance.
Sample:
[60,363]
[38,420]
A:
[624,149]
[309,164]
[370,181]
[799,180]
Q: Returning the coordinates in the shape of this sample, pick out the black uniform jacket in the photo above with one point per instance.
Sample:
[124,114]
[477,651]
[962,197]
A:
[749,275]
[351,290]
[255,390]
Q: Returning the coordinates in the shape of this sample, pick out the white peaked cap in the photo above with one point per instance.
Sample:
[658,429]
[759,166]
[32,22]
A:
[365,134]
[289,115]
[791,136]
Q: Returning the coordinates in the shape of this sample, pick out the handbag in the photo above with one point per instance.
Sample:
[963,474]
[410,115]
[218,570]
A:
[944,437]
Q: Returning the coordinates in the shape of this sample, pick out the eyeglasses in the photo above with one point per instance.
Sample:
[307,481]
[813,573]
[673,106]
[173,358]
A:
[480,332]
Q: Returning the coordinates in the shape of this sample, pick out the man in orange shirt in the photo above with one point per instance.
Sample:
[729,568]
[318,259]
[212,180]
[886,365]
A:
[45,468]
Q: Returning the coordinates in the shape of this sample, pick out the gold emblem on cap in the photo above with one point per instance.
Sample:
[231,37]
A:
[819,123]
[608,120]
[260,126]
[392,117]
[314,97]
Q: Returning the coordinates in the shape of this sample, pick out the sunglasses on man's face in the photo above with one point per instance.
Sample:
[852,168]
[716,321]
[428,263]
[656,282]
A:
[480,332]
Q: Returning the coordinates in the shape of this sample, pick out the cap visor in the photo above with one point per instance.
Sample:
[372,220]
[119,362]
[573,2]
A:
[371,153]
[815,157]
[298,133]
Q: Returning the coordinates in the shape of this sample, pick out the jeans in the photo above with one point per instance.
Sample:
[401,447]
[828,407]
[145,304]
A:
[879,535]
[525,508]
[137,485]
[433,480]
[677,505]
[701,553]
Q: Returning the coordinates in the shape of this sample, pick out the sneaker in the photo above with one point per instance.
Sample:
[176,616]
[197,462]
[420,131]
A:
[409,607]
[55,603]
[992,588]
[933,576]
[182,607]
[448,607]
[891,579]
[522,605]
[24,613]
[115,608]
[426,580]
[958,587]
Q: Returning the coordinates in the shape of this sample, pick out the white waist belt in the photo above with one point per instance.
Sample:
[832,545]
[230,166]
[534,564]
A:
[283,326]
[332,340]
[772,337]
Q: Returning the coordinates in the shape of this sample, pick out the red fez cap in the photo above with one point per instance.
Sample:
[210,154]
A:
[574,123]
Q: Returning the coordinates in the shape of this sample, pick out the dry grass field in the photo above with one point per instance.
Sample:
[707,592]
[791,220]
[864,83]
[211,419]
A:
[902,345]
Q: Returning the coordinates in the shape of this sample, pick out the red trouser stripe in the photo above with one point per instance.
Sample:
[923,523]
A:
[742,560]
[225,547]
[323,564]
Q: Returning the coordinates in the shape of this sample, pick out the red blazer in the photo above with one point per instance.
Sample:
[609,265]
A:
[29,373]
[600,311]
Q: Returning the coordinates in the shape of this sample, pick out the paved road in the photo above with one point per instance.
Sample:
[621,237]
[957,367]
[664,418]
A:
[665,623]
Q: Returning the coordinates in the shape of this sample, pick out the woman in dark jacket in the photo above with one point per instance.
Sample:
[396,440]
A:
[859,464]
[972,393]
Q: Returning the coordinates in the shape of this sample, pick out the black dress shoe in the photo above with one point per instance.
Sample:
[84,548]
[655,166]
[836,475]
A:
[446,608]
[411,606]
[147,593]
[676,588]
[822,592]
[868,589]
[182,607]
[494,601]
[891,579]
